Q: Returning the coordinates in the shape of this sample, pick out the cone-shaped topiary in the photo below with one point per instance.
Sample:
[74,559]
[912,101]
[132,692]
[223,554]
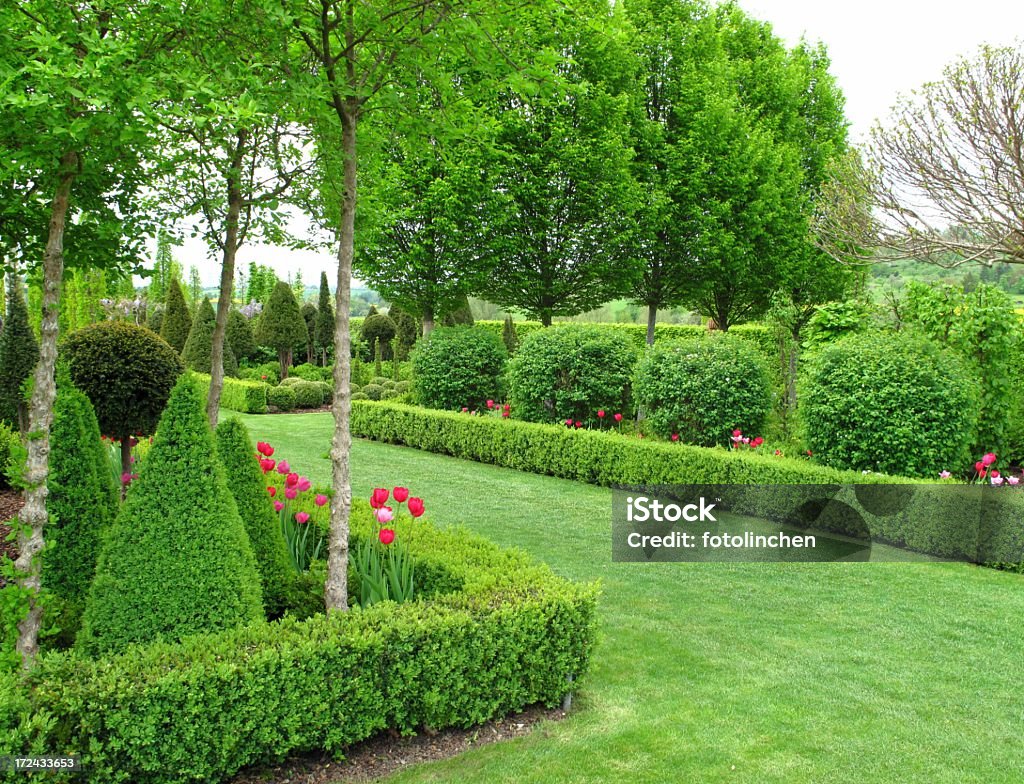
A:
[199,345]
[240,336]
[178,560]
[81,501]
[177,322]
[281,325]
[236,452]
[323,337]
[19,354]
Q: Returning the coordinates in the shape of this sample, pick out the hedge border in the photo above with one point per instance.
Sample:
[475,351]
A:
[247,397]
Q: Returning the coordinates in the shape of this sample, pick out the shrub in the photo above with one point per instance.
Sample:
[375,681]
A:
[891,403]
[308,372]
[271,370]
[327,391]
[199,346]
[388,394]
[178,560]
[407,329]
[81,502]
[291,381]
[10,442]
[155,319]
[458,366]
[570,371]
[360,396]
[378,331]
[281,325]
[373,391]
[403,386]
[248,397]
[381,381]
[177,322]
[19,354]
[703,389]
[281,398]
[240,336]
[308,394]
[235,451]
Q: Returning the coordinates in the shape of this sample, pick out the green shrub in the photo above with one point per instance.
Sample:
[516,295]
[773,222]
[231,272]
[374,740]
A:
[199,346]
[155,319]
[291,381]
[458,366]
[308,372]
[388,394]
[235,451]
[892,403]
[81,502]
[377,332]
[281,398]
[403,386]
[271,370]
[19,354]
[202,709]
[240,336]
[327,391]
[10,441]
[407,329]
[177,560]
[360,396]
[373,391]
[308,394]
[281,326]
[381,381]
[570,372]
[703,389]
[248,397]
[177,322]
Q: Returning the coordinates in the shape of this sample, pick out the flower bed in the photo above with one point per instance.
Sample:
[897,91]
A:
[510,636]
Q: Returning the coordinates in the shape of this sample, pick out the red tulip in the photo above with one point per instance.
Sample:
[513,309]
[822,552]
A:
[379,497]
[568,423]
[283,467]
[579,424]
[415,506]
[505,414]
[618,417]
[387,536]
[757,442]
[264,448]
[600,414]
[401,493]
[675,436]
[291,480]
[302,518]
[272,490]
[267,465]
[989,459]
[979,467]
[737,432]
[993,473]
[490,404]
[465,409]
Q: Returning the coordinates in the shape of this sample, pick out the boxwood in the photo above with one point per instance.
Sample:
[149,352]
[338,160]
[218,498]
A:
[248,397]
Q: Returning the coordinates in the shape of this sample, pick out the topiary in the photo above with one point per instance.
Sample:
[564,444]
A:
[378,330]
[81,502]
[381,381]
[323,330]
[306,350]
[360,396]
[388,394]
[458,366]
[155,318]
[703,389]
[240,336]
[281,325]
[894,403]
[308,394]
[508,336]
[403,386]
[235,451]
[372,391]
[19,353]
[177,322]
[128,373]
[281,398]
[292,381]
[570,371]
[407,331]
[178,560]
[198,347]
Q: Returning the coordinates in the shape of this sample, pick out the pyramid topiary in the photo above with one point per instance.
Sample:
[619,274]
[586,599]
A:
[19,354]
[199,345]
[178,560]
[235,451]
[240,336]
[177,322]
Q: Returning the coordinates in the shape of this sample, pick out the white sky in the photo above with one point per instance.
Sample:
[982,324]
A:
[880,49]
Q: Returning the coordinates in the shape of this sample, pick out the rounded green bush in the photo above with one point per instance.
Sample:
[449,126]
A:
[381,381]
[272,371]
[128,373]
[359,396]
[388,394]
[378,329]
[177,560]
[403,386]
[373,391]
[458,366]
[308,372]
[893,403]
[281,398]
[308,394]
[703,389]
[326,391]
[292,381]
[570,371]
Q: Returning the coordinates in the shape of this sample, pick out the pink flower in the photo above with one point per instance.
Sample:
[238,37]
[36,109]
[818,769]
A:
[979,466]
[267,465]
[126,478]
[506,414]
[465,409]
[385,514]
[988,459]
[996,480]
[304,484]
[944,475]
[600,414]
[675,436]
[579,424]
[778,453]
[272,491]
[290,493]
[291,480]
[490,404]
[400,494]
[415,506]
[386,535]
[995,473]
[568,423]
[321,499]
[1012,480]
[264,448]
[737,432]
[618,417]
[278,506]
[302,518]
[283,467]
[757,442]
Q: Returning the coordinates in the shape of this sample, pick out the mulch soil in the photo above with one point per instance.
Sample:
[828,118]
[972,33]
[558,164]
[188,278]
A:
[10,503]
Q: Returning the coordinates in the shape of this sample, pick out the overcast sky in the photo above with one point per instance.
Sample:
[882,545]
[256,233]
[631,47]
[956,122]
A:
[879,50]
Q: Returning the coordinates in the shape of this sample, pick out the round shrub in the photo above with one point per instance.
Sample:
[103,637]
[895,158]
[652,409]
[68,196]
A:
[310,372]
[281,398]
[403,386]
[177,560]
[271,370]
[308,394]
[359,396]
[291,381]
[703,389]
[388,394]
[458,366]
[326,391]
[378,330]
[570,371]
[893,403]
[381,381]
[373,391]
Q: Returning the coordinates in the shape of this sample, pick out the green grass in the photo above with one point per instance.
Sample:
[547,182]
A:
[756,673]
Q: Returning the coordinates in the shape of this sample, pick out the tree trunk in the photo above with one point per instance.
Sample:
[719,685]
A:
[336,588]
[428,320]
[652,319]
[44,390]
[545,318]
[227,281]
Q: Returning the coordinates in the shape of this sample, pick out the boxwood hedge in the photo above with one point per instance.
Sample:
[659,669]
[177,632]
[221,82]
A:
[248,397]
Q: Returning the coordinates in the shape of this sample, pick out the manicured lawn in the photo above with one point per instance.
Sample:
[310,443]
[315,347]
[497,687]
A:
[730,673]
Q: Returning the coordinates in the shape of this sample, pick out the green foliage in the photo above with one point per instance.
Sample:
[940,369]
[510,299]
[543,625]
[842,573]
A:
[407,331]
[377,332]
[10,443]
[19,353]
[372,391]
[155,318]
[703,389]
[178,560]
[308,311]
[836,320]
[307,372]
[128,373]
[326,390]
[890,403]
[308,394]
[570,371]
[177,322]
[199,345]
[460,315]
[508,336]
[457,366]
[292,381]
[235,451]
[281,325]
[248,397]
[323,332]
[281,398]
[81,502]
[240,336]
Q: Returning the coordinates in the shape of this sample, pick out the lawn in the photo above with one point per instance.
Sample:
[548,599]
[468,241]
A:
[757,673]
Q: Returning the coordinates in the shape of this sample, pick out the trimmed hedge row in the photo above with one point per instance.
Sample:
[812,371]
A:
[248,397]
[204,708]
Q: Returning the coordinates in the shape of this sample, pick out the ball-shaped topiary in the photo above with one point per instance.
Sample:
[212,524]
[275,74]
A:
[308,394]
[178,560]
[703,389]
[378,330]
[893,403]
[458,366]
[235,451]
[199,346]
[373,391]
[291,381]
[281,398]
[570,371]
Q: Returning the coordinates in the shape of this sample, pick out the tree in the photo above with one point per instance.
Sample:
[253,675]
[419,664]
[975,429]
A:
[199,346]
[943,180]
[164,269]
[281,325]
[240,336]
[323,337]
[176,321]
[19,354]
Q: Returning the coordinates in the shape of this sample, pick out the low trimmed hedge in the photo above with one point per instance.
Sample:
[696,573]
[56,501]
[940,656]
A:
[202,709]
[247,397]
[281,398]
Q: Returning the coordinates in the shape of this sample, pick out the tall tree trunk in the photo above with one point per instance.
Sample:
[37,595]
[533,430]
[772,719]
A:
[37,466]
[428,320]
[227,280]
[545,318]
[652,319]
[336,588]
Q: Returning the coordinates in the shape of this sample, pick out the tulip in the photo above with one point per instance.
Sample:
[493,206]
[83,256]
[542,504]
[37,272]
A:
[283,467]
[1013,479]
[304,484]
[290,493]
[778,453]
[505,414]
[321,499]
[600,413]
[126,478]
[272,491]
[490,404]
[379,497]
[387,536]
[675,436]
[758,441]
[267,465]
[979,466]
[268,450]
[415,506]
[291,480]
[996,480]
[988,459]
[995,473]
[944,475]
[737,432]
[618,417]
[278,506]
[385,514]
[400,494]
[465,409]
[302,518]
[579,424]
[568,423]
[982,473]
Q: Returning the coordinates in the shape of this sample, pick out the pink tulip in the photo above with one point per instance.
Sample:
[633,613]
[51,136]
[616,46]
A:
[1012,480]
[304,484]
[290,493]
[618,417]
[267,465]
[944,475]
[675,436]
[272,490]
[321,499]
[301,518]
[988,459]
[490,404]
[283,468]
[400,494]
[291,480]
[385,514]
[378,497]
[996,480]
[278,506]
